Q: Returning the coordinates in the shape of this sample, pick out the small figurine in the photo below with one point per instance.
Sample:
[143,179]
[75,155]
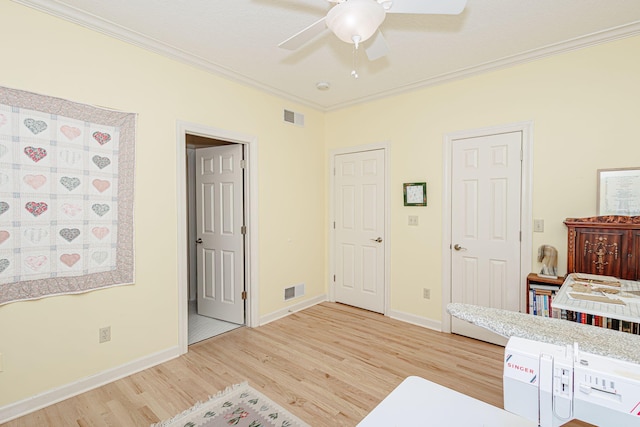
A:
[548,256]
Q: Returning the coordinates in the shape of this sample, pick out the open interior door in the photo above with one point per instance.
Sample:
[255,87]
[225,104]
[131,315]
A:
[219,232]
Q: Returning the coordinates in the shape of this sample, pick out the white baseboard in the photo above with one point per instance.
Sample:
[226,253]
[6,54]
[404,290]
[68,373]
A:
[39,401]
[416,320]
[292,309]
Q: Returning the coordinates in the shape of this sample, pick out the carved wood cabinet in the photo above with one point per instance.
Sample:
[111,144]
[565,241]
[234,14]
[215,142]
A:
[606,245]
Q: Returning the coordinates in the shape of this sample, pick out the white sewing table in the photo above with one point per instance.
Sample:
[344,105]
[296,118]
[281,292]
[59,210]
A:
[418,402]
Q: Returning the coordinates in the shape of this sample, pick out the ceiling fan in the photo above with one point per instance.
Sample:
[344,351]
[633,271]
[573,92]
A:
[356,21]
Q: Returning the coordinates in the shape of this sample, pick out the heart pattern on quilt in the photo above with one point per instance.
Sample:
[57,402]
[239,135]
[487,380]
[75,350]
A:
[101,137]
[70,132]
[36,262]
[3,119]
[35,181]
[71,209]
[100,232]
[100,209]
[69,234]
[35,126]
[101,185]
[70,157]
[4,236]
[4,263]
[70,183]
[4,206]
[35,235]
[99,257]
[36,208]
[69,259]
[35,153]
[3,150]
[101,162]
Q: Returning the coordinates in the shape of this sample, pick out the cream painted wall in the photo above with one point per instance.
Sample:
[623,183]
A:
[54,341]
[585,109]
[583,104]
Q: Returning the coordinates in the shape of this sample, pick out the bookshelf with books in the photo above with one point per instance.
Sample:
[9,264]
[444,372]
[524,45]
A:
[540,293]
[602,249]
[596,320]
[583,298]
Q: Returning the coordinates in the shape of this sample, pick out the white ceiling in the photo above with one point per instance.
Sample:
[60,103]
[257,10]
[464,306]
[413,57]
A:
[239,38]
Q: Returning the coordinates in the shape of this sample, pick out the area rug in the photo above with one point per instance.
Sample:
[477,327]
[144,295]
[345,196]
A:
[239,405]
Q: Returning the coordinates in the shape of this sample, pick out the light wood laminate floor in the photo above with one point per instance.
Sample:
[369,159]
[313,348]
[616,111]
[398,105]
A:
[330,365]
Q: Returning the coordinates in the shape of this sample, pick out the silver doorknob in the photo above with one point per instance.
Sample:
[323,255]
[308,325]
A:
[199,240]
[457,247]
[379,240]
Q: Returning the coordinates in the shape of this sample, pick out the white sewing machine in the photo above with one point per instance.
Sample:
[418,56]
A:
[553,384]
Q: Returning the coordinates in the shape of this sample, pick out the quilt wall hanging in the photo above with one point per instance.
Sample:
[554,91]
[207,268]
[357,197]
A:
[66,196]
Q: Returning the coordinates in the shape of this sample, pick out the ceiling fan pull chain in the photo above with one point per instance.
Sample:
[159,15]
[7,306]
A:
[356,44]
[354,72]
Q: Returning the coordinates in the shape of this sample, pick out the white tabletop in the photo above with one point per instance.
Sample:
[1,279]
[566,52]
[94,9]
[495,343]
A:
[629,310]
[418,402]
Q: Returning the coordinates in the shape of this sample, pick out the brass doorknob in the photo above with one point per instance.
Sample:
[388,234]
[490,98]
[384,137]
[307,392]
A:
[457,247]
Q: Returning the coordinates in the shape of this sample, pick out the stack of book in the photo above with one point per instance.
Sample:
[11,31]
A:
[595,320]
[540,298]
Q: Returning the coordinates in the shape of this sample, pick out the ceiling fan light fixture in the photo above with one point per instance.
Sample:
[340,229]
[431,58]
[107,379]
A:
[355,18]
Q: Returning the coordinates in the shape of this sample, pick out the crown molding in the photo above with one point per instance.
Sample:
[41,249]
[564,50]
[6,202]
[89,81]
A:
[119,32]
[116,31]
[601,37]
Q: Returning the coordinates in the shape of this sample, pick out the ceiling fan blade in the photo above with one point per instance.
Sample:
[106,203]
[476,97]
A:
[304,36]
[431,7]
[377,47]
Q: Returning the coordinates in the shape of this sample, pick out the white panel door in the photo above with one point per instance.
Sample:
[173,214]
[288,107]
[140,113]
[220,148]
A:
[219,218]
[485,218]
[359,229]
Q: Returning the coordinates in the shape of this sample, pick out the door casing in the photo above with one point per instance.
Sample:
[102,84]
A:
[525,206]
[332,240]
[251,215]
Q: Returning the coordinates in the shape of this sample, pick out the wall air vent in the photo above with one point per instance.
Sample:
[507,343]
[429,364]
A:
[294,291]
[293,118]
[289,293]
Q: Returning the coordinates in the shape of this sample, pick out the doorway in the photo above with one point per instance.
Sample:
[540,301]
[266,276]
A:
[215,177]
[190,139]
[486,222]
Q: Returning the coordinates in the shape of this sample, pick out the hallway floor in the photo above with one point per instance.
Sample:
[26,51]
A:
[202,327]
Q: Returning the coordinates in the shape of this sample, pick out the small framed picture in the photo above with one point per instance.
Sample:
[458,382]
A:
[415,194]
[619,191]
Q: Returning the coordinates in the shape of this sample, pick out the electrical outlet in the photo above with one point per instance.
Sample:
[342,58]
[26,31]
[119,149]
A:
[413,219]
[426,293]
[105,334]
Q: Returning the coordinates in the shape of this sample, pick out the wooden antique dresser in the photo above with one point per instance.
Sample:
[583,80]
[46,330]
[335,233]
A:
[604,245]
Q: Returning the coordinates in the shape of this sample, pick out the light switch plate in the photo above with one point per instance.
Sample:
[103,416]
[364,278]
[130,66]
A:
[538,225]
